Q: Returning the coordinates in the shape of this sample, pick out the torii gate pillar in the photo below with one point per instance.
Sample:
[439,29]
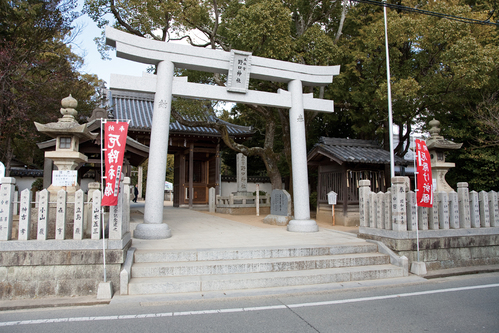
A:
[301,221]
[153,226]
[238,66]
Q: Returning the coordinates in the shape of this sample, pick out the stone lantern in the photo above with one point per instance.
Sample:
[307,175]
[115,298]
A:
[437,146]
[68,134]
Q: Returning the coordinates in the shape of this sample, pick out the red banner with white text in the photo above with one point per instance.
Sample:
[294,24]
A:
[424,178]
[115,141]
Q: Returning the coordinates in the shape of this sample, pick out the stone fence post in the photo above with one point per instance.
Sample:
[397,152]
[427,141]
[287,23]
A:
[126,204]
[364,189]
[25,215]
[43,214]
[388,210]
[96,215]
[412,222]
[453,210]
[399,217]
[211,199]
[493,209]
[116,217]
[464,205]
[443,210]
[483,200]
[79,215]
[6,207]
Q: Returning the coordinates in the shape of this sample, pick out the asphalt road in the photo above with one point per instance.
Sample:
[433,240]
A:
[467,303]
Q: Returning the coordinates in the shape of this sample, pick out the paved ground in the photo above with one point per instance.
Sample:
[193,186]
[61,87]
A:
[201,229]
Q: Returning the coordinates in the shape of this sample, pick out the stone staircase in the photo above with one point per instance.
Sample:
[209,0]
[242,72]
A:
[203,270]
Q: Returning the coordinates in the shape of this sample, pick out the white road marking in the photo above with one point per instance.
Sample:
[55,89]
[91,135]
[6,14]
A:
[257,308]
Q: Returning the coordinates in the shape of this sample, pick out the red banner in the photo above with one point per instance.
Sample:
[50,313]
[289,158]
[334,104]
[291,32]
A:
[115,141]
[423,176]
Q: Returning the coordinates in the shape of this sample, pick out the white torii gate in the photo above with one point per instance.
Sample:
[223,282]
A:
[239,66]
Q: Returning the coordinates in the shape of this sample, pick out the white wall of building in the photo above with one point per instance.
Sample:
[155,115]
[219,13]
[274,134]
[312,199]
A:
[24,183]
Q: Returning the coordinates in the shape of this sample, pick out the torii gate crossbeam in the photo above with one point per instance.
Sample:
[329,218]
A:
[167,56]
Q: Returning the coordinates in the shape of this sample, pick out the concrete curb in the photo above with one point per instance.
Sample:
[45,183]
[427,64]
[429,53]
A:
[441,273]
[51,302]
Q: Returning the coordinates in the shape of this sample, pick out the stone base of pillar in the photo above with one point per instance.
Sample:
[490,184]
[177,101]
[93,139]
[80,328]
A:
[105,290]
[302,226]
[418,268]
[152,231]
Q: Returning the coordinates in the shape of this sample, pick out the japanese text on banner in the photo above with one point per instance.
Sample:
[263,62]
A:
[115,141]
[424,178]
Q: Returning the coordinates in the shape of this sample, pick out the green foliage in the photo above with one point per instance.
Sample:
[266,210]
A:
[436,65]
[37,70]
[37,185]
[439,68]
[313,200]
[260,193]
[477,162]
[263,28]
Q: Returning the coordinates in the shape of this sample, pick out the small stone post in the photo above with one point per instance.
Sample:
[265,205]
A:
[380,210]
[493,209]
[464,205]
[372,210]
[96,215]
[6,207]
[364,189]
[483,198]
[211,199]
[43,212]
[399,217]
[60,220]
[116,217]
[14,203]
[388,210]
[423,218]
[474,210]
[25,215]
[453,210]
[433,215]
[79,215]
[412,222]
[443,210]
[126,204]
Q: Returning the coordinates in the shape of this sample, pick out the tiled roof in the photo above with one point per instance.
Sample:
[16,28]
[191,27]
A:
[18,172]
[352,151]
[138,108]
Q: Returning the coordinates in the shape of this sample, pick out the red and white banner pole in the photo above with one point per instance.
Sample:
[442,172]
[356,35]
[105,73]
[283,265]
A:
[113,138]
[422,180]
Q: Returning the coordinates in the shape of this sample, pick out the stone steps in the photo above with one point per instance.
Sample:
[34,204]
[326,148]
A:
[256,265]
[201,283]
[203,270]
[142,256]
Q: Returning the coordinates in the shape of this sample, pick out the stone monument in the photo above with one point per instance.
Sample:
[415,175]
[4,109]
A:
[69,134]
[242,175]
[280,208]
[437,146]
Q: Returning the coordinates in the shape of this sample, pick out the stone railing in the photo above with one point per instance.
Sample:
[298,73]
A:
[68,223]
[240,201]
[396,210]
[459,230]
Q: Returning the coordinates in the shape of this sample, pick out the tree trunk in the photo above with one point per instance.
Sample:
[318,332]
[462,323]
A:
[9,153]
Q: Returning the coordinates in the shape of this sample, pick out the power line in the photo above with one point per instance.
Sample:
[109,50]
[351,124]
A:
[427,12]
